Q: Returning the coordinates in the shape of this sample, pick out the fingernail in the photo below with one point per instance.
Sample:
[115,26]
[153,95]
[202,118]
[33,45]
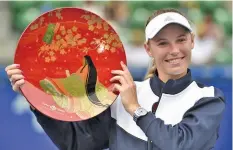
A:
[17,65]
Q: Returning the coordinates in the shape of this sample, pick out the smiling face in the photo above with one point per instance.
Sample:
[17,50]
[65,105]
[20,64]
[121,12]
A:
[171,50]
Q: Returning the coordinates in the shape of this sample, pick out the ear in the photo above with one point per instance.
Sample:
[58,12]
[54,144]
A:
[192,40]
[147,48]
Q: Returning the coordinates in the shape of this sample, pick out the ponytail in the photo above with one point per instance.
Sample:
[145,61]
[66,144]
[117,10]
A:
[151,70]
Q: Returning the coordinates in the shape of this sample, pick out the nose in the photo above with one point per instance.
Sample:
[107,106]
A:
[174,50]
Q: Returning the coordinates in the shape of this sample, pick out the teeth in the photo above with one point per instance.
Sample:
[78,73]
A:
[174,61]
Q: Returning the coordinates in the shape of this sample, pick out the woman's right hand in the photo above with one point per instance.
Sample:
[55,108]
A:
[15,76]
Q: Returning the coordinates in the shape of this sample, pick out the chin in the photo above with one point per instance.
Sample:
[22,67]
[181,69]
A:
[177,71]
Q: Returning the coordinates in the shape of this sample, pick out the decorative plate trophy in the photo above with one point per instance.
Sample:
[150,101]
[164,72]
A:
[66,56]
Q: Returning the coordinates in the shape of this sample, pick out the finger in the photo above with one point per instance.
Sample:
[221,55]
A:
[121,79]
[123,74]
[18,84]
[126,70]
[123,66]
[16,77]
[117,72]
[117,87]
[13,66]
[14,71]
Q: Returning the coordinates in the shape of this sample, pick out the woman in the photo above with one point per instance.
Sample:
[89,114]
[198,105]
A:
[166,111]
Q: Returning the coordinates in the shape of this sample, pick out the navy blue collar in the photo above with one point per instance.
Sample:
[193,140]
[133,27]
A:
[171,86]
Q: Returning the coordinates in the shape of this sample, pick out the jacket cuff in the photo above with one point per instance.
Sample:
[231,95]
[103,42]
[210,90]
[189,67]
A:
[145,121]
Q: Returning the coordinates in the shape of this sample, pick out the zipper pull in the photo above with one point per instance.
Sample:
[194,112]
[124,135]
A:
[154,107]
[149,145]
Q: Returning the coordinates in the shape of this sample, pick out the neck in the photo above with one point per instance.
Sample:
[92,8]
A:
[165,77]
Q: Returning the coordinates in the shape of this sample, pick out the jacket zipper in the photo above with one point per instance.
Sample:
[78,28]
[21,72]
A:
[149,142]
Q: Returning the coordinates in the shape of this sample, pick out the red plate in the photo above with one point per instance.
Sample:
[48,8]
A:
[66,56]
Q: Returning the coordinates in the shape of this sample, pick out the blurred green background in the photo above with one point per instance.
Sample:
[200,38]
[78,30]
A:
[129,19]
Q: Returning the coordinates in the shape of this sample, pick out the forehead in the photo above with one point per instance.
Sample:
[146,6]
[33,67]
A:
[171,29]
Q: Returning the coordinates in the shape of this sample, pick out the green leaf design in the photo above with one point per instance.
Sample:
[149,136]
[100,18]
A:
[48,37]
[60,99]
[48,87]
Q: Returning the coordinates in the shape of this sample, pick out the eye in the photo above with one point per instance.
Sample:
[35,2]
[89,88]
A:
[162,43]
[181,40]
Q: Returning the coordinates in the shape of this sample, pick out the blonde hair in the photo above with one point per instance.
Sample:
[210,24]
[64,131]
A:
[151,70]
[152,67]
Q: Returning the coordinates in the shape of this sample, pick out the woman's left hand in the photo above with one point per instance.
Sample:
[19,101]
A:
[127,88]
